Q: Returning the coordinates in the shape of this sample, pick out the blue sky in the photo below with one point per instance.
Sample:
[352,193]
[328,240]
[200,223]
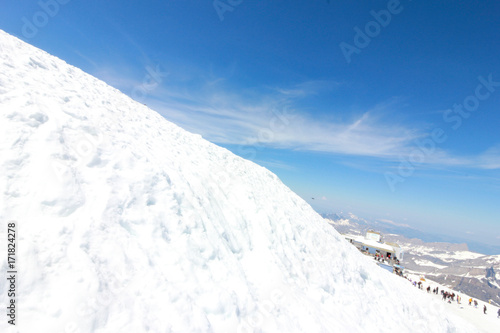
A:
[392,119]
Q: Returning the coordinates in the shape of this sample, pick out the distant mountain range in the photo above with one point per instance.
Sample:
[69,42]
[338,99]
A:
[450,264]
[410,232]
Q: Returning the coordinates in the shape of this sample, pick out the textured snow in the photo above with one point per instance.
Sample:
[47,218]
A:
[483,322]
[429,263]
[127,223]
[459,255]
[446,256]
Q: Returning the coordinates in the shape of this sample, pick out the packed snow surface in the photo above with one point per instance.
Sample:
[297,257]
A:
[483,322]
[128,223]
[429,263]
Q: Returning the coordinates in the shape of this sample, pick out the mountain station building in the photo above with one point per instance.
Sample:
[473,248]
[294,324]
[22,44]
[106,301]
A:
[372,244]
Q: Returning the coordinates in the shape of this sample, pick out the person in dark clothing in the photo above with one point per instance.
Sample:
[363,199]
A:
[498,313]
[484,309]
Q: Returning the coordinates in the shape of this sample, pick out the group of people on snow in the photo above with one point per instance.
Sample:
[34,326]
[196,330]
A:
[450,296]
[388,258]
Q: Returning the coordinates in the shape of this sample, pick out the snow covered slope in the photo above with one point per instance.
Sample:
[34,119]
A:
[450,264]
[127,223]
[484,322]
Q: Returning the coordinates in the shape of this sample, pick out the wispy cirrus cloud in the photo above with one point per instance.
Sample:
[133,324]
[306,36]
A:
[275,164]
[233,119]
[490,159]
[393,223]
[242,119]
[272,117]
[308,88]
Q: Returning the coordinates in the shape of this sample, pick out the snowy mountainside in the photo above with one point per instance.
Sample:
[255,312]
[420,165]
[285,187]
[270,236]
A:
[484,322]
[473,273]
[127,223]
[451,265]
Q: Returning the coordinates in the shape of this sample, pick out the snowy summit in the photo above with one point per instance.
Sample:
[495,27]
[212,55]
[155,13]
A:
[128,223]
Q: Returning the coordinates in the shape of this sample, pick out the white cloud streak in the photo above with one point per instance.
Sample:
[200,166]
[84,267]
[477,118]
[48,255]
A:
[393,223]
[273,119]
